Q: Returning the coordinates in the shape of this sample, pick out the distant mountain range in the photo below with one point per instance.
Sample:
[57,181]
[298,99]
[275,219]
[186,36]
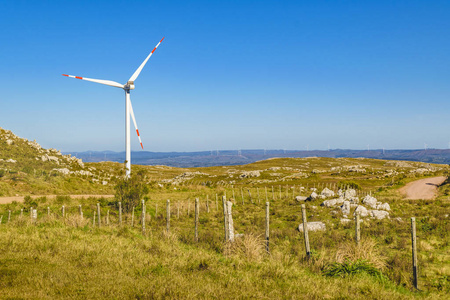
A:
[239,157]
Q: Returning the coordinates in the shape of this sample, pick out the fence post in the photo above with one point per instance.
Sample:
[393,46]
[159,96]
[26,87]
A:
[357,229]
[34,215]
[414,253]
[242,195]
[250,195]
[63,211]
[48,211]
[217,204]
[98,214]
[80,210]
[305,232]
[230,227]
[31,212]
[280,190]
[143,216]
[9,216]
[21,212]
[196,219]
[257,191]
[132,218]
[120,213]
[93,221]
[207,204]
[225,218]
[266,192]
[1,218]
[273,194]
[178,209]
[156,211]
[107,217]
[168,216]
[267,227]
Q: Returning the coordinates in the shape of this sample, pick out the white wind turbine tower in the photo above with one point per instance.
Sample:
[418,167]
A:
[128,108]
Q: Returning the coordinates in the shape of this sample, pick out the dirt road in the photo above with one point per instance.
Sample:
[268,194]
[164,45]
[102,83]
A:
[5,200]
[422,189]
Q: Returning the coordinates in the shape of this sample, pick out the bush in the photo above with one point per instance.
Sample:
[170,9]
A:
[350,184]
[348,267]
[131,190]
[29,202]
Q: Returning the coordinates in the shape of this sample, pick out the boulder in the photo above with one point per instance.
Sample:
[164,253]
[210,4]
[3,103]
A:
[9,142]
[313,196]
[327,193]
[370,201]
[345,208]
[344,221]
[363,212]
[332,202]
[301,198]
[382,206]
[378,214]
[350,193]
[313,226]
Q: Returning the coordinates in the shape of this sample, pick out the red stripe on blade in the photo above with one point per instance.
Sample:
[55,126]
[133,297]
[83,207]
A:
[78,77]
[154,50]
[142,146]
[137,132]
[161,39]
[65,75]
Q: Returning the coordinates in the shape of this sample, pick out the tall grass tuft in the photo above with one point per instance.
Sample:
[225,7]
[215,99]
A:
[250,247]
[365,251]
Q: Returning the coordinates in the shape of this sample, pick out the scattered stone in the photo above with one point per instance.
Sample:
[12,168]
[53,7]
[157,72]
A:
[11,161]
[398,219]
[344,220]
[350,193]
[378,214]
[250,174]
[327,193]
[345,208]
[313,196]
[363,212]
[313,226]
[383,206]
[370,201]
[9,142]
[301,198]
[332,202]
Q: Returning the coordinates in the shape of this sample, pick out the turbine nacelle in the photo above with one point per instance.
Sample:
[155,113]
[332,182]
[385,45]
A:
[129,85]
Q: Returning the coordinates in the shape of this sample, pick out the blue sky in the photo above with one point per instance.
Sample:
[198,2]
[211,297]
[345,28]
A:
[229,74]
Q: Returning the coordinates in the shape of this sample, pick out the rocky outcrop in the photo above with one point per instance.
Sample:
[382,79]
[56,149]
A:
[313,226]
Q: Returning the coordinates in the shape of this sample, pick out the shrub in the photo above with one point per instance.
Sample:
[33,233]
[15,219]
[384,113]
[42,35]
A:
[131,190]
[348,267]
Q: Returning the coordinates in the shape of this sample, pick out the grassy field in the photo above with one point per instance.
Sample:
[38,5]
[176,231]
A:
[70,257]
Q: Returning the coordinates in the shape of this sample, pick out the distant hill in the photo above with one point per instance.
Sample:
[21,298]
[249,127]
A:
[235,157]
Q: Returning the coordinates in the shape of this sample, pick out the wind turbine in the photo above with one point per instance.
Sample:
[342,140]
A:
[127,87]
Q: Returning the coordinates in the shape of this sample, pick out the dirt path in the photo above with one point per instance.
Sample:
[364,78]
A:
[422,189]
[5,200]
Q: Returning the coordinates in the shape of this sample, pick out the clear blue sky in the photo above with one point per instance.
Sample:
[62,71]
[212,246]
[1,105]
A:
[229,74]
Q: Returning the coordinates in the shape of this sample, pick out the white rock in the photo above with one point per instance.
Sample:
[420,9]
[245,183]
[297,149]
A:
[383,206]
[11,161]
[363,212]
[344,221]
[313,196]
[378,214]
[327,193]
[301,198]
[370,201]
[9,142]
[313,226]
[64,171]
[350,193]
[345,208]
[332,202]
[250,174]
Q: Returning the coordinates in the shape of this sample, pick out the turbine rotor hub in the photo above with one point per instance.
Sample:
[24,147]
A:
[129,85]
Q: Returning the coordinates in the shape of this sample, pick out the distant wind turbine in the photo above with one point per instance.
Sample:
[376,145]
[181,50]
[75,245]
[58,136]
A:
[128,108]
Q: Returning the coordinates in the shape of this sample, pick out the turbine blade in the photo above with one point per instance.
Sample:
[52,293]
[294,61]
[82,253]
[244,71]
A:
[135,124]
[138,71]
[107,82]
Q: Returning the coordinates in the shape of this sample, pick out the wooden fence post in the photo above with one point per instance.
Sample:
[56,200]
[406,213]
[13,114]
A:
[230,225]
[207,204]
[357,229]
[132,217]
[93,221]
[48,211]
[217,204]
[273,194]
[242,195]
[143,216]
[21,212]
[305,232]
[280,191]
[250,195]
[414,253]
[120,213]
[178,209]
[257,191]
[63,211]
[196,219]
[107,217]
[9,216]
[98,214]
[34,215]
[267,227]
[80,210]
[225,217]
[168,215]
[266,192]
